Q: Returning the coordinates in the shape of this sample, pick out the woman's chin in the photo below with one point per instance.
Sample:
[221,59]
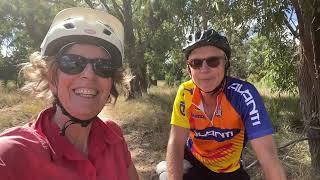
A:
[84,115]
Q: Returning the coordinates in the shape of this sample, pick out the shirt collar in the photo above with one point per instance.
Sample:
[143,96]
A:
[196,99]
[100,133]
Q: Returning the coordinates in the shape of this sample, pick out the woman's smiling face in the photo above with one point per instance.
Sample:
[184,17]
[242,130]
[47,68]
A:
[83,95]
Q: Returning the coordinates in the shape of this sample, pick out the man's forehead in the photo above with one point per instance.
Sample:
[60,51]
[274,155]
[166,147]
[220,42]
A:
[206,51]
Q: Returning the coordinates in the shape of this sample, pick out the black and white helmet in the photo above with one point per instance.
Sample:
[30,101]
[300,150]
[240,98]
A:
[77,25]
[206,37]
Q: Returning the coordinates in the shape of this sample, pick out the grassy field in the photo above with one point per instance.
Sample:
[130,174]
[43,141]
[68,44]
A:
[145,123]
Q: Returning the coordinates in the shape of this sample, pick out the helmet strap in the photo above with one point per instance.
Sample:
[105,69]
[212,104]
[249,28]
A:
[72,120]
[215,90]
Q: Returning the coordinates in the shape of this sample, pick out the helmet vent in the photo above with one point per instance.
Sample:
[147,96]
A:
[107,32]
[69,26]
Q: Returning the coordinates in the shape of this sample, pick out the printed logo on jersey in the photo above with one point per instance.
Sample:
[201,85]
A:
[248,98]
[182,108]
[197,116]
[189,90]
[216,134]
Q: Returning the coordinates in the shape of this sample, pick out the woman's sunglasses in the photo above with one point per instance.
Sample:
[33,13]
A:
[212,62]
[74,64]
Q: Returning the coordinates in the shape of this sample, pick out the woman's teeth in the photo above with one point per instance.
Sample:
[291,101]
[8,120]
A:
[85,92]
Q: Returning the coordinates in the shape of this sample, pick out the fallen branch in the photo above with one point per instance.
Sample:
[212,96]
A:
[293,142]
[279,148]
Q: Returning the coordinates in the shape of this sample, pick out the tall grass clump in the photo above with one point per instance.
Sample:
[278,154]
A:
[145,121]
[17,108]
[150,113]
[9,98]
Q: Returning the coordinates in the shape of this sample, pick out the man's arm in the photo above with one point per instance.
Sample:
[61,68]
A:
[175,152]
[266,152]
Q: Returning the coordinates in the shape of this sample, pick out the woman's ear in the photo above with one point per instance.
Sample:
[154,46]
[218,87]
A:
[52,83]
[53,88]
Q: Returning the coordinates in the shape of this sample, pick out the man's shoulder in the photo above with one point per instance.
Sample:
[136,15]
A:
[242,95]
[187,86]
[240,89]
[233,83]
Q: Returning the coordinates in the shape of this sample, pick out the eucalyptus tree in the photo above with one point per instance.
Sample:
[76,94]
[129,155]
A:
[274,19]
[23,26]
[283,34]
[149,36]
[308,15]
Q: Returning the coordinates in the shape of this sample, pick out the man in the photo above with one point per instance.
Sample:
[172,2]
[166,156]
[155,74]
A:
[215,115]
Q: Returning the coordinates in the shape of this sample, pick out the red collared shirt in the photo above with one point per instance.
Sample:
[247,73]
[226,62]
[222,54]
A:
[36,151]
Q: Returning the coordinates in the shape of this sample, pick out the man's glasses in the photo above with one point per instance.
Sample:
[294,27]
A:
[213,62]
[74,64]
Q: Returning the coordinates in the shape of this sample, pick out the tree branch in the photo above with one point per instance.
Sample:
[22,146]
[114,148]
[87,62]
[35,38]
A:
[300,20]
[58,2]
[251,165]
[90,4]
[279,148]
[104,3]
[118,9]
[294,32]
[292,142]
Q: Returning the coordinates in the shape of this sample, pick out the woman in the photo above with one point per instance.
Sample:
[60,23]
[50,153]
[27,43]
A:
[79,65]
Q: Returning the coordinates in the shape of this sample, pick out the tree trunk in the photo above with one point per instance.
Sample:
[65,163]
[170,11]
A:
[131,52]
[308,76]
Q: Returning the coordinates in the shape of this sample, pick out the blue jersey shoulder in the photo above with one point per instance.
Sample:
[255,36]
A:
[246,100]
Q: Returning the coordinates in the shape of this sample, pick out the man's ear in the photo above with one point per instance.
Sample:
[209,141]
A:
[189,71]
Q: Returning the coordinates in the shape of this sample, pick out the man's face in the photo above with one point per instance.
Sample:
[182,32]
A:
[207,67]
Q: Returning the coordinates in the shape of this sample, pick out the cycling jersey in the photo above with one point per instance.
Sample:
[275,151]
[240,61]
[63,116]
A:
[239,116]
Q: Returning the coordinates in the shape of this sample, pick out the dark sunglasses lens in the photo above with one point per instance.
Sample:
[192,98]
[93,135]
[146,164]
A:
[71,64]
[213,62]
[103,68]
[196,63]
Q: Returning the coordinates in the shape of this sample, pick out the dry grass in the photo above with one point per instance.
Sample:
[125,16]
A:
[17,108]
[145,123]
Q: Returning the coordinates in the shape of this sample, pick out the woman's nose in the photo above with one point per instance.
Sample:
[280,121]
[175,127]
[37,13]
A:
[88,71]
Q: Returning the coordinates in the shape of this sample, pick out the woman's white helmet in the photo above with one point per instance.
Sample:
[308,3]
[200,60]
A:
[84,25]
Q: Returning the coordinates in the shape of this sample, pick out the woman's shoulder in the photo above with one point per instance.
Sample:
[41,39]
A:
[111,129]
[20,147]
[113,125]
[21,139]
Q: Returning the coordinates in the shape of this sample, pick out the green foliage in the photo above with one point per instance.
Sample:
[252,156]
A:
[23,27]
[159,28]
[273,63]
[175,68]
[284,110]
